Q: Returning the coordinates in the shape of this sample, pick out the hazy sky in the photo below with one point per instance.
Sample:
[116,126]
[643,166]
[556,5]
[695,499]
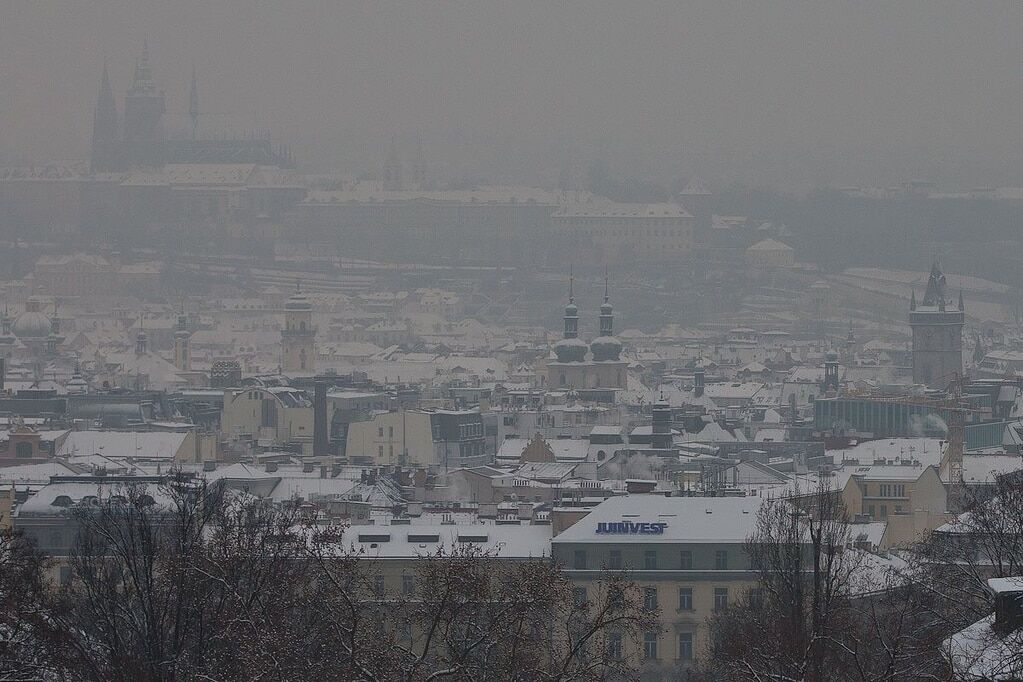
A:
[772,92]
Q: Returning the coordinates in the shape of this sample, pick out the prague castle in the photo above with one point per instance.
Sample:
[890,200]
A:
[137,138]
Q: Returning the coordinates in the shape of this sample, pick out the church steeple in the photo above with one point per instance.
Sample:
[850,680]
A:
[571,312]
[606,312]
[104,126]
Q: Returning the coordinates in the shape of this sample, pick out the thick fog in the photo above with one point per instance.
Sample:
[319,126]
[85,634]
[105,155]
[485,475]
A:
[784,94]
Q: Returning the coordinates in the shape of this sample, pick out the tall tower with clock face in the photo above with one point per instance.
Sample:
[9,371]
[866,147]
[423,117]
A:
[937,324]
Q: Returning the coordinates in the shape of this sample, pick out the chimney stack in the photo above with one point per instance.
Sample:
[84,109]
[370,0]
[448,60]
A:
[321,444]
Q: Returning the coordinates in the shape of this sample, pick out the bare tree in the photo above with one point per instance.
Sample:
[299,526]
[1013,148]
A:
[797,551]
[26,635]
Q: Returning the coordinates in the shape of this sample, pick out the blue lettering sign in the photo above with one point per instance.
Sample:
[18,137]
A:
[631,528]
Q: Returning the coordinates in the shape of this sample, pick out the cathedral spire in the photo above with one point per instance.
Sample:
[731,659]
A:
[104,125]
[193,105]
[142,82]
[392,168]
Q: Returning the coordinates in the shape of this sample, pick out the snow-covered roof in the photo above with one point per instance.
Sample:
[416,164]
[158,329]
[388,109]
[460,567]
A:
[687,519]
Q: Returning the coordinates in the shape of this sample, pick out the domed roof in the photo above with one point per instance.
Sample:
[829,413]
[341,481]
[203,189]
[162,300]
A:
[571,350]
[606,348]
[33,323]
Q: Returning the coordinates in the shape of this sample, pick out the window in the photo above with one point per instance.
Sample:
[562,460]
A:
[685,599]
[650,559]
[579,596]
[650,645]
[23,451]
[614,646]
[614,559]
[378,586]
[686,560]
[408,585]
[380,432]
[685,646]
[579,559]
[380,451]
[720,598]
[721,560]
[650,598]
[756,598]
[884,511]
[390,432]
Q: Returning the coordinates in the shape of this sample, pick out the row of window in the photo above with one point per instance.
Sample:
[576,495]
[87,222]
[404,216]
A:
[651,560]
[891,490]
[651,644]
[685,598]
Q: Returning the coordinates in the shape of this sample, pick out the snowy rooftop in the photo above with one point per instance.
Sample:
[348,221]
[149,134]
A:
[688,519]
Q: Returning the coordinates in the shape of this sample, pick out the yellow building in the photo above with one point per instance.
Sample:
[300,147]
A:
[274,415]
[393,438]
[686,553]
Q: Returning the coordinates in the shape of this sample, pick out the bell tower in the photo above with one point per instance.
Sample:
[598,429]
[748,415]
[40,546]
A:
[182,338]
[298,338]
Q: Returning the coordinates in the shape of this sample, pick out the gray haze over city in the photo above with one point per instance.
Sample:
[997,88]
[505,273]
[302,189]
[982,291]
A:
[565,341]
[781,94]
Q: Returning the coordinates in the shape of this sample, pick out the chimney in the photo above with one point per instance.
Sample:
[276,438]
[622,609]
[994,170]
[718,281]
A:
[321,444]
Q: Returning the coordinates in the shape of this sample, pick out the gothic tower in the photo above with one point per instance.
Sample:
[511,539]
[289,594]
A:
[104,128]
[193,105]
[182,338]
[937,324]
[143,110]
[298,338]
[392,169]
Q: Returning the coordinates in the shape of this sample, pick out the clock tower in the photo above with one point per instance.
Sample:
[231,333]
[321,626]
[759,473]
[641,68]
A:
[937,324]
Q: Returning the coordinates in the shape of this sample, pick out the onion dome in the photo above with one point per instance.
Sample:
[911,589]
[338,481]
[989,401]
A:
[571,350]
[606,349]
[33,323]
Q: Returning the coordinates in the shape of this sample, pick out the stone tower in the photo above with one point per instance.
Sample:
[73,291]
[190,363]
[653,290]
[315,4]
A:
[104,128]
[182,338]
[937,324]
[143,113]
[298,338]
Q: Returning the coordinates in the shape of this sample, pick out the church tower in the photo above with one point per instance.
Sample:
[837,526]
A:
[182,338]
[298,338]
[143,110]
[104,128]
[937,324]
